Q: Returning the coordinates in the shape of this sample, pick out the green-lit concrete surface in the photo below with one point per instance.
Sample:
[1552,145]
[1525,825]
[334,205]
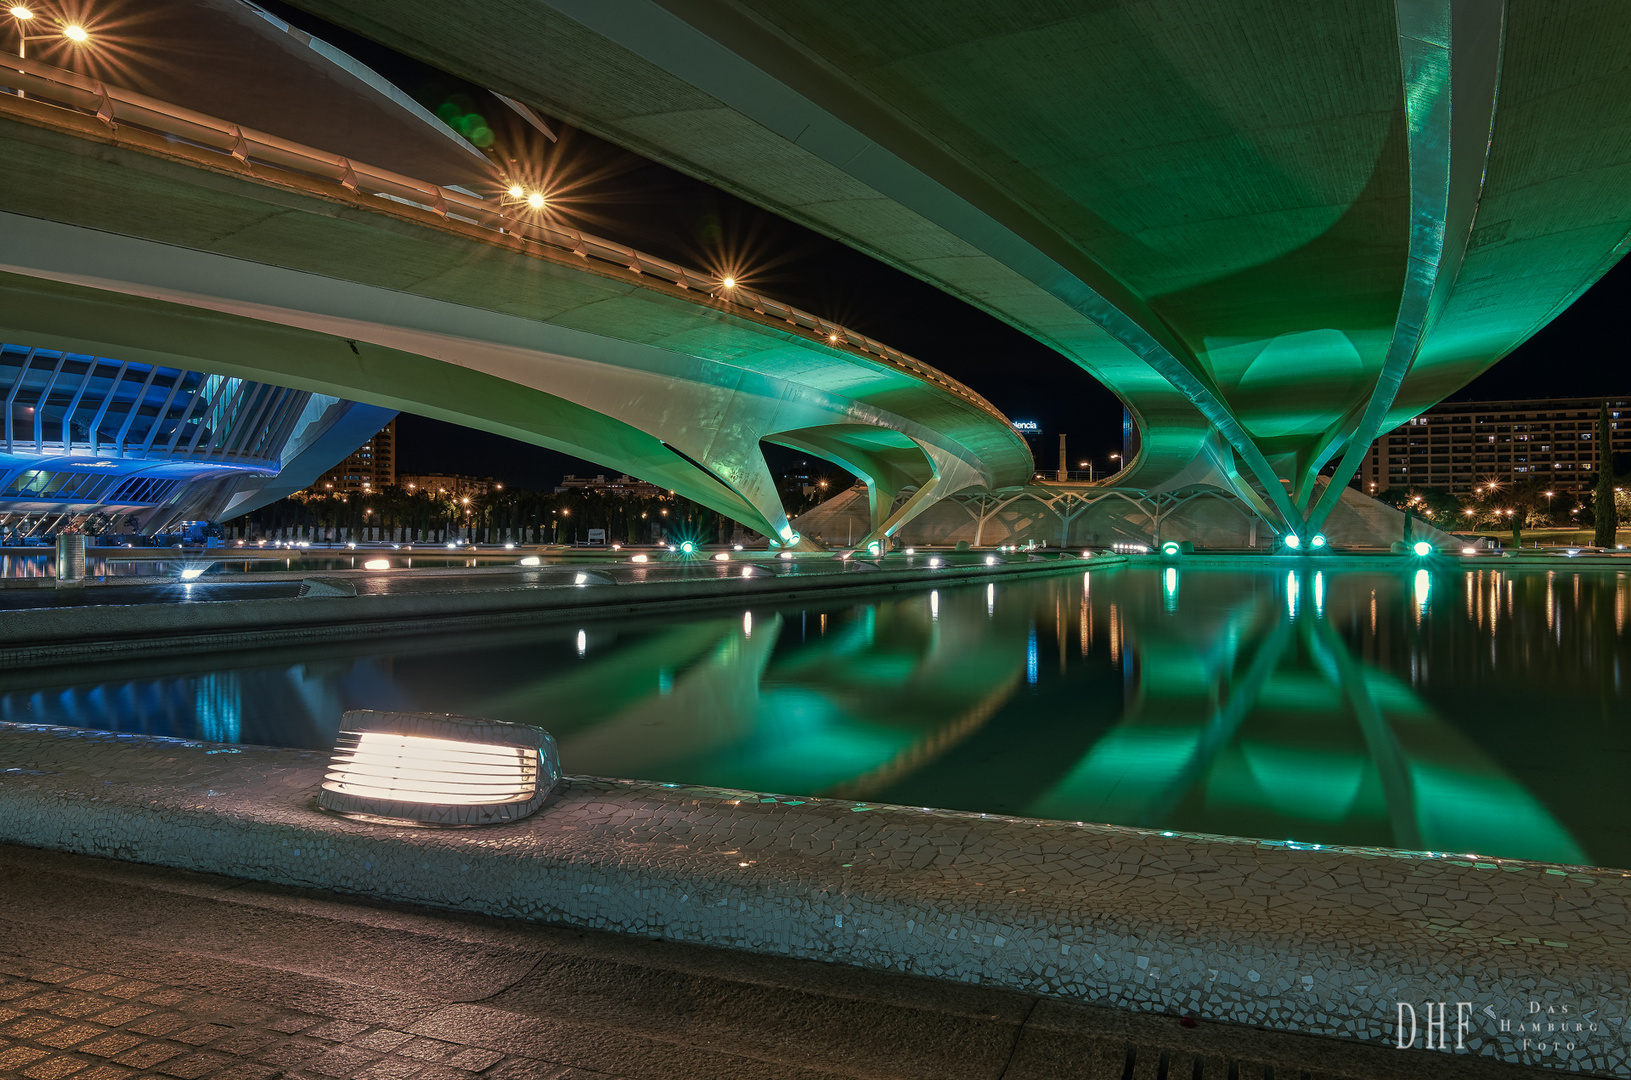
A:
[122,243]
[1273,228]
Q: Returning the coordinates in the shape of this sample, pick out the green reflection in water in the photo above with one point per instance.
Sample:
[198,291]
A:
[1479,711]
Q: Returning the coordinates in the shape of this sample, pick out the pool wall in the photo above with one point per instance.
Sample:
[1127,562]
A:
[1318,941]
[55,635]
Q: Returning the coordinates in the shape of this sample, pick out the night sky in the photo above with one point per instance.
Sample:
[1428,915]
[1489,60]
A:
[603,189]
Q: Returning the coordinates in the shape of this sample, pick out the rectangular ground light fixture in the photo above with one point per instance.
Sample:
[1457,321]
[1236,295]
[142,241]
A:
[406,768]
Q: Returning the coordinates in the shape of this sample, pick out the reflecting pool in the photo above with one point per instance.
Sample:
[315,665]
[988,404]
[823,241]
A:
[1453,710]
[161,563]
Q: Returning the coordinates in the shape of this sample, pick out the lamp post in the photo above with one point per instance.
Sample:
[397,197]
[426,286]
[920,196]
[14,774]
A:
[22,16]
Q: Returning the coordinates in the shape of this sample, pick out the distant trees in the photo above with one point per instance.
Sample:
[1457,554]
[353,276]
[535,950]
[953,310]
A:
[500,514]
[1603,504]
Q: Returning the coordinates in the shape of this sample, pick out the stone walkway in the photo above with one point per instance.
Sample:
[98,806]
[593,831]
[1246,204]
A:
[1301,940]
[121,972]
[66,1021]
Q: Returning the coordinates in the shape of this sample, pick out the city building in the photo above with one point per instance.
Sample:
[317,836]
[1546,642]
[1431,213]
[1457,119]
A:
[370,467]
[448,484]
[624,485]
[1461,445]
[118,447]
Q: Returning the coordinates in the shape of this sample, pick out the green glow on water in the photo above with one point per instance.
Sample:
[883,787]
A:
[1423,708]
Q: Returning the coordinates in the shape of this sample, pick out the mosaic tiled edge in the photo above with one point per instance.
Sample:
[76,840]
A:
[1292,937]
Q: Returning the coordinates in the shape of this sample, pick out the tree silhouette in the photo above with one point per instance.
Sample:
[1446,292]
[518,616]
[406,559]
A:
[1607,523]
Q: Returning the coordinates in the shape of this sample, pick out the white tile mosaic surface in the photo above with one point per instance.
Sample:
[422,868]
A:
[1316,940]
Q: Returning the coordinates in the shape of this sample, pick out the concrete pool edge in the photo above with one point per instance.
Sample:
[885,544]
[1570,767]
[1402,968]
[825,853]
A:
[1312,941]
[59,635]
[35,637]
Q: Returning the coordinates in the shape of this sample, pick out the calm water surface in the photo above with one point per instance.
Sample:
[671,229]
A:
[1461,711]
[43,564]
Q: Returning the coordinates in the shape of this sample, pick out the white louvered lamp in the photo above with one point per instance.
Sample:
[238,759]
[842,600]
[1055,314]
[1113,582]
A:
[434,769]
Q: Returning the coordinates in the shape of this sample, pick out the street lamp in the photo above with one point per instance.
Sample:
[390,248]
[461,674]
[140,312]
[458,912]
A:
[22,15]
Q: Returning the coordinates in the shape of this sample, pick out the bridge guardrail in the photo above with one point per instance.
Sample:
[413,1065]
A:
[116,105]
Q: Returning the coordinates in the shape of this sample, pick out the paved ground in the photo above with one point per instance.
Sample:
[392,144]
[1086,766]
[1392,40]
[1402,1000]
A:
[112,971]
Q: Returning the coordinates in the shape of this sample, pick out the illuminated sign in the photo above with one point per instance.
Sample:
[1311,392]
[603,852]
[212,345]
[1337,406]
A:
[1027,425]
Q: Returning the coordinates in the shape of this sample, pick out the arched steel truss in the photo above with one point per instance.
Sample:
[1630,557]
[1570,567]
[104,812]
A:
[1070,504]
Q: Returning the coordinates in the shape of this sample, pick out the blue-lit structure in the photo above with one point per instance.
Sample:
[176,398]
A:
[119,446]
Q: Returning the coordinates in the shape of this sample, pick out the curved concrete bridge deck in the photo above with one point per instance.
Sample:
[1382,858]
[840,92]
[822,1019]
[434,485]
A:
[158,235]
[1295,939]
[1275,230]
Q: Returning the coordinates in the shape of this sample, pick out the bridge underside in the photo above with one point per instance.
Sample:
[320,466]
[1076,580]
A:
[1274,230]
[152,253]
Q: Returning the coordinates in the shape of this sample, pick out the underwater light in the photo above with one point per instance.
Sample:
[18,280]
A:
[377,564]
[785,555]
[934,563]
[436,769]
[991,560]
[637,558]
[722,557]
[192,573]
[531,560]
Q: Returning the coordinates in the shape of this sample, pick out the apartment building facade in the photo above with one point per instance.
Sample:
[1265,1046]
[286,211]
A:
[1458,446]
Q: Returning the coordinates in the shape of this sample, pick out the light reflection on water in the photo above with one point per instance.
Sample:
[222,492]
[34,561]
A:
[44,563]
[1462,711]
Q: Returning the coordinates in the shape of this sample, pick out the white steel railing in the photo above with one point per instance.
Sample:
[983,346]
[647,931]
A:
[116,106]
